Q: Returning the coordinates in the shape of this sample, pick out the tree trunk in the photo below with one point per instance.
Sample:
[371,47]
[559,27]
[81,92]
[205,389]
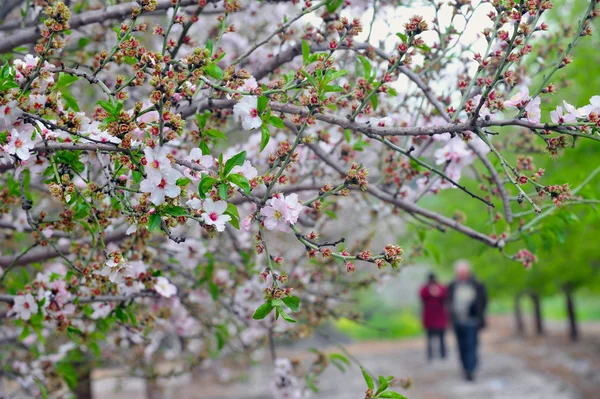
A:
[519,315]
[83,390]
[153,389]
[537,312]
[573,328]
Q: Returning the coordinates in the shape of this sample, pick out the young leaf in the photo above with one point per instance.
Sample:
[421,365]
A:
[236,160]
[305,52]
[277,122]
[223,188]
[240,181]
[154,222]
[392,395]
[292,302]
[368,378]
[261,104]
[263,311]
[284,315]
[214,71]
[265,136]
[174,210]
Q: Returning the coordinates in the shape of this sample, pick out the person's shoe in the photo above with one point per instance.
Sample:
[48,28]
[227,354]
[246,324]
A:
[469,377]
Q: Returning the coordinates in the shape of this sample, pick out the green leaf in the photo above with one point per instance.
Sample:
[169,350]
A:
[261,103]
[310,78]
[215,134]
[240,181]
[265,136]
[209,46]
[402,37]
[383,385]
[392,395]
[276,121]
[236,160]
[374,101]
[232,211]
[368,378]
[305,52]
[65,80]
[42,388]
[214,71]
[206,184]
[292,302]
[366,64]
[174,210]
[154,222]
[214,290]
[223,188]
[284,315]
[137,176]
[333,5]
[263,311]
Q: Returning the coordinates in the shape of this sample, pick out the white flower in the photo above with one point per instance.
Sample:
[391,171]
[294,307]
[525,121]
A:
[101,310]
[8,115]
[161,185]
[131,229]
[593,107]
[194,203]
[214,214]
[156,160]
[24,306]
[206,161]
[164,287]
[115,269]
[98,135]
[533,110]
[20,144]
[246,170]
[247,111]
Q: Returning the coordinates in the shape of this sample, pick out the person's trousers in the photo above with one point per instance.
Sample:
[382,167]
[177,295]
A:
[466,337]
[433,334]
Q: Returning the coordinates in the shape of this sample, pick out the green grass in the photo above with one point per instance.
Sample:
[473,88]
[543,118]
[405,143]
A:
[553,308]
[388,325]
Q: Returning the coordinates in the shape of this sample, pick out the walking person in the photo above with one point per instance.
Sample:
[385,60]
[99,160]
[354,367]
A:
[435,317]
[467,299]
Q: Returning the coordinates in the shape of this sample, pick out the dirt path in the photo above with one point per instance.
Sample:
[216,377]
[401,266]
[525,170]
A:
[510,368]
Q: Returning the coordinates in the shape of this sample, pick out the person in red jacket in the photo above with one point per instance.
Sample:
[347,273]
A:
[435,316]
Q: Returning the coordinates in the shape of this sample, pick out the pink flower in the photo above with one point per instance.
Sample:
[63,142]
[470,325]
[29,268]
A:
[533,110]
[214,214]
[519,99]
[247,111]
[281,211]
[557,115]
[164,287]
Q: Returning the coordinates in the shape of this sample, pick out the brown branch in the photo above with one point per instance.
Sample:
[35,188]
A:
[120,11]
[50,253]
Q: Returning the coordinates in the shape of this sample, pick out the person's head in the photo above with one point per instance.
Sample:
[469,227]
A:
[431,278]
[462,270]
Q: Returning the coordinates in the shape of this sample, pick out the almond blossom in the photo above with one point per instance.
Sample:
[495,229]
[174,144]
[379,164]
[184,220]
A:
[9,114]
[161,184]
[594,106]
[164,287]
[247,111]
[280,212]
[533,110]
[24,306]
[246,170]
[20,144]
[557,116]
[214,214]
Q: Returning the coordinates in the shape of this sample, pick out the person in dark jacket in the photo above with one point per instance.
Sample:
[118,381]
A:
[467,299]
[435,317]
